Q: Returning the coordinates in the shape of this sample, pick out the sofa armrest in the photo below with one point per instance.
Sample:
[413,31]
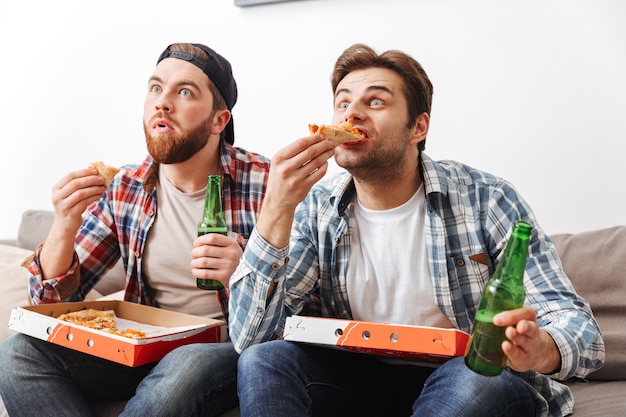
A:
[595,262]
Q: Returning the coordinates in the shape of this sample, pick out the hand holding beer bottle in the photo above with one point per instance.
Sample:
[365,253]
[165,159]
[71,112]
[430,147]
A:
[212,222]
[503,291]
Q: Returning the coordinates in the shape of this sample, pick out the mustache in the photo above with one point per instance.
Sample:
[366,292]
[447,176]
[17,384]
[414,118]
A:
[161,116]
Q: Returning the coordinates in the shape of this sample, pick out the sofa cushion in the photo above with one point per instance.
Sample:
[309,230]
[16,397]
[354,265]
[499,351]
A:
[598,398]
[34,228]
[595,262]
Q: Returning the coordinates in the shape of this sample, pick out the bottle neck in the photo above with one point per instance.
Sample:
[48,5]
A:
[212,215]
[513,262]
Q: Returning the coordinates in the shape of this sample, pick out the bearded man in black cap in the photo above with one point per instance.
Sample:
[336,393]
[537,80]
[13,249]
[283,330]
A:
[148,217]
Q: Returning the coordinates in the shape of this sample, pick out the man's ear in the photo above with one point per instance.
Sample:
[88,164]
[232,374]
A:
[220,120]
[420,128]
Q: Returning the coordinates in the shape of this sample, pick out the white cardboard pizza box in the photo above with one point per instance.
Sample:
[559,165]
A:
[416,343]
[166,330]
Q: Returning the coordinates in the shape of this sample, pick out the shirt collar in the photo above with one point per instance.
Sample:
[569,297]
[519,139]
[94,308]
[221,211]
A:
[433,178]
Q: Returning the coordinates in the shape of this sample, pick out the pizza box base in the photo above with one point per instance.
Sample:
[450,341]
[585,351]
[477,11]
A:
[39,321]
[415,343]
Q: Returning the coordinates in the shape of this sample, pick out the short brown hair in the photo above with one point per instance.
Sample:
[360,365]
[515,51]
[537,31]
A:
[418,88]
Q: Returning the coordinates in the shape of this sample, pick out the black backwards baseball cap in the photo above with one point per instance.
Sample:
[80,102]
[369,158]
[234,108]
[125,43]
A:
[219,71]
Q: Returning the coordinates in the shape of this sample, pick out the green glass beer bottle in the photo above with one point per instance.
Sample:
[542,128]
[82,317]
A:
[503,291]
[212,222]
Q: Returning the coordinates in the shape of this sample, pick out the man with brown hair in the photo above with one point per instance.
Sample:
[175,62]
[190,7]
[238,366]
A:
[148,217]
[398,238]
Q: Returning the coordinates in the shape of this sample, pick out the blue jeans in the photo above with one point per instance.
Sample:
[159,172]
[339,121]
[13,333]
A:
[282,378]
[38,378]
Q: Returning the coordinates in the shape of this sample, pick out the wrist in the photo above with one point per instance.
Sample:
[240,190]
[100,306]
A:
[274,227]
[552,358]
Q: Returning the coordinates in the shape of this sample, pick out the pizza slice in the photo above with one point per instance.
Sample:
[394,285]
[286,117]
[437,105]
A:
[338,134]
[106,171]
[100,320]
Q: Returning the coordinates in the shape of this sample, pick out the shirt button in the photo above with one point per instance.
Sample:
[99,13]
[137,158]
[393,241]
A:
[137,254]
[150,213]
[275,266]
[287,260]
[460,262]
[260,311]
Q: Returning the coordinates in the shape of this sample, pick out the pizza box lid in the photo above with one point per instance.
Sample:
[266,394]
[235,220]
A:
[432,345]
[166,330]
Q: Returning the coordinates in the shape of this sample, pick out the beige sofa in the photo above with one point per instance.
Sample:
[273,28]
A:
[595,262]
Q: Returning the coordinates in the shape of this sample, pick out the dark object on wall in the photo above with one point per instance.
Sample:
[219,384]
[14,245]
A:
[244,3]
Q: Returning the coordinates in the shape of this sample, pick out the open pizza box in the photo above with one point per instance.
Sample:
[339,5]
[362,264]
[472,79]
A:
[164,330]
[430,345]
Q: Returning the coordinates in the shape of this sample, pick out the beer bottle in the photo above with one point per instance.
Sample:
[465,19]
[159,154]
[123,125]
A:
[212,222]
[503,291]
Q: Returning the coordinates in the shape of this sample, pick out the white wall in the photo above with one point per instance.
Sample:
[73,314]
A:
[531,90]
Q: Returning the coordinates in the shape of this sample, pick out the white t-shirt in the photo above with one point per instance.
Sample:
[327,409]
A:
[167,254]
[388,277]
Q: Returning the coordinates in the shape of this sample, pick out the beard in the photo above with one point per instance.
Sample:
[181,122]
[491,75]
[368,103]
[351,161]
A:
[382,163]
[176,148]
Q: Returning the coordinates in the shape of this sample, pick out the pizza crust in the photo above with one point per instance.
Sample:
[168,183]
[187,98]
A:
[106,171]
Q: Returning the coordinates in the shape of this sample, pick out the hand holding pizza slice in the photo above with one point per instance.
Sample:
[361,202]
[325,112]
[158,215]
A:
[338,134]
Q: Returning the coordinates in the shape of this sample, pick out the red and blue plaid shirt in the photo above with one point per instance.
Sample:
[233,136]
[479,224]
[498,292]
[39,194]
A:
[118,224]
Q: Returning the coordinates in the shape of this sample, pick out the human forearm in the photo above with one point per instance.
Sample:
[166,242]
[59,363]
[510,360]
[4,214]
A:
[57,253]
[295,169]
[274,223]
[70,196]
[255,304]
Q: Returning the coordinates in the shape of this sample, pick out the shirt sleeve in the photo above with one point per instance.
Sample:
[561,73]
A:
[564,314]
[53,290]
[95,252]
[256,296]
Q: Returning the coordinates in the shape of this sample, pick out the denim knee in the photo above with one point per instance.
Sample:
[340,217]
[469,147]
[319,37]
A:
[14,347]
[260,355]
[199,361]
[454,389]
[196,379]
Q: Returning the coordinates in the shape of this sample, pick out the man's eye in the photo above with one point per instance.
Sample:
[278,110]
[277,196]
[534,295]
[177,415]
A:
[376,102]
[155,89]
[343,105]
[185,92]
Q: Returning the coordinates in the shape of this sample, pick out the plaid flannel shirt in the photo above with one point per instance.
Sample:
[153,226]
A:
[117,226]
[469,215]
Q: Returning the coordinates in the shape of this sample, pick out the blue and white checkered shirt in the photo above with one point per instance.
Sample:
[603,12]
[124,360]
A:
[469,216]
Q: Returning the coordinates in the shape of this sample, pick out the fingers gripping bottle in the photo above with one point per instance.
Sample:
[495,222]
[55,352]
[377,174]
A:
[212,222]
[503,291]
